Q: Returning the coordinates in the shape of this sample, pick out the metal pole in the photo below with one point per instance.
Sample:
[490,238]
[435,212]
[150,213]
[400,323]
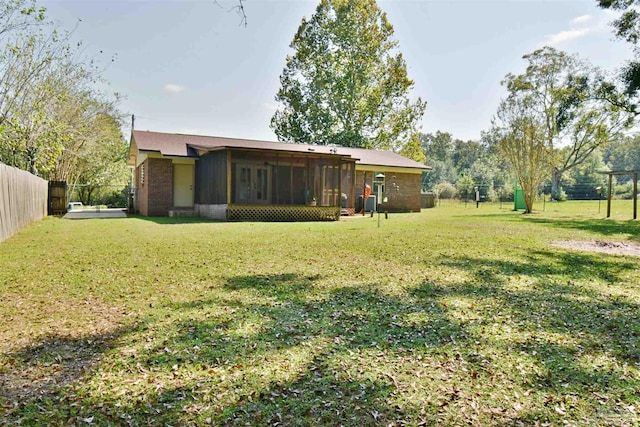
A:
[609,196]
[635,195]
[364,193]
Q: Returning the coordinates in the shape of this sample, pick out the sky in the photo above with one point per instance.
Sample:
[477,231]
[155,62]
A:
[189,66]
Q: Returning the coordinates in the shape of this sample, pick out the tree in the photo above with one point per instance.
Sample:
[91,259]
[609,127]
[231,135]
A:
[27,50]
[627,27]
[438,146]
[440,172]
[572,101]
[50,111]
[239,9]
[346,83]
[483,172]
[413,149]
[520,130]
[35,59]
[101,161]
[465,186]
[624,154]
[586,178]
[466,153]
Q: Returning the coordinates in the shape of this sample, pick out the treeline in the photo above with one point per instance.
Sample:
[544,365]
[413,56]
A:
[561,123]
[54,121]
[459,166]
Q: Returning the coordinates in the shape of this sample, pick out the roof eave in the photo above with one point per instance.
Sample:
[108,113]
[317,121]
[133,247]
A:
[201,150]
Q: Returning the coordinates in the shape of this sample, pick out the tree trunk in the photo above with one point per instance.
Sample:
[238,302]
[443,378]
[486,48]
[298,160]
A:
[31,162]
[556,177]
[528,193]
[528,200]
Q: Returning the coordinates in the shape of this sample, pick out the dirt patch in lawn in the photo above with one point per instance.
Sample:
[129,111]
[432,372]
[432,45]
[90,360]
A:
[611,248]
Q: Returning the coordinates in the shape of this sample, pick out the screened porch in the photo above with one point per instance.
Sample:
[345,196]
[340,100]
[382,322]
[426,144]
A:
[268,178]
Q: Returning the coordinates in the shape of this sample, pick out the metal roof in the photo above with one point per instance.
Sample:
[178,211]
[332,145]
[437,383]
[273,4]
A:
[171,144]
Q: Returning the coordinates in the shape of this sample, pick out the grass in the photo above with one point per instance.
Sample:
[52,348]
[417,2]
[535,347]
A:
[454,316]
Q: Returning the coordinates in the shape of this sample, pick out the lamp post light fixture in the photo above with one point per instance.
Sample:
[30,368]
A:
[379,181]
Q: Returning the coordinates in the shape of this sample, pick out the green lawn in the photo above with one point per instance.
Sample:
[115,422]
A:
[454,316]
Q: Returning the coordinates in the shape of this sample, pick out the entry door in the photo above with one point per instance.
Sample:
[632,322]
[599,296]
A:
[182,186]
[253,184]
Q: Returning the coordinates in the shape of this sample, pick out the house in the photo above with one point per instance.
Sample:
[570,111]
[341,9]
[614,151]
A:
[239,179]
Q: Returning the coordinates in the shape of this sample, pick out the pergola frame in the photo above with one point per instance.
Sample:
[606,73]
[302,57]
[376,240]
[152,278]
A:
[635,189]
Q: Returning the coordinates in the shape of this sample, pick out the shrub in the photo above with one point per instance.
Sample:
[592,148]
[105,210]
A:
[562,196]
[623,191]
[115,199]
[492,195]
[445,190]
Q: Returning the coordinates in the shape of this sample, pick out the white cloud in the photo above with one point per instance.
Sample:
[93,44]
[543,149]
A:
[173,88]
[578,30]
[567,35]
[582,19]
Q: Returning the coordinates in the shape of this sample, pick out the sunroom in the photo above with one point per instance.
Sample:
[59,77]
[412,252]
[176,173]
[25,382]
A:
[273,185]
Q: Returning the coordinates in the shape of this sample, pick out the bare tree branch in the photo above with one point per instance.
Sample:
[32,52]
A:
[239,9]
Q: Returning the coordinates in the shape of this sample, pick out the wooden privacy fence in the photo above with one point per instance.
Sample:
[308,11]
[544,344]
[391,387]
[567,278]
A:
[23,199]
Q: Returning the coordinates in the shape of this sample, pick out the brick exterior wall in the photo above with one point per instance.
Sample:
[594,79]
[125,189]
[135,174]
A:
[159,183]
[142,189]
[406,199]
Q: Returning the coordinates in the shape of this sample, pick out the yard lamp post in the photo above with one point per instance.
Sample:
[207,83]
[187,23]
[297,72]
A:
[599,191]
[379,181]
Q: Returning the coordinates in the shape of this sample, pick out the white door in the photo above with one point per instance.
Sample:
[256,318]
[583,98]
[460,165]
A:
[182,186]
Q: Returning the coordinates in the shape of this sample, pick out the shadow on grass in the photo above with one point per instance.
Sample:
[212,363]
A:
[562,325]
[544,264]
[287,350]
[257,344]
[320,396]
[54,362]
[285,285]
[604,227]
[275,358]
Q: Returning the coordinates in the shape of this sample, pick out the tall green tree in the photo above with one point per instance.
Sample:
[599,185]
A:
[100,161]
[437,146]
[586,178]
[50,110]
[346,83]
[440,172]
[519,129]
[413,149]
[466,153]
[465,186]
[627,27]
[624,154]
[568,96]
